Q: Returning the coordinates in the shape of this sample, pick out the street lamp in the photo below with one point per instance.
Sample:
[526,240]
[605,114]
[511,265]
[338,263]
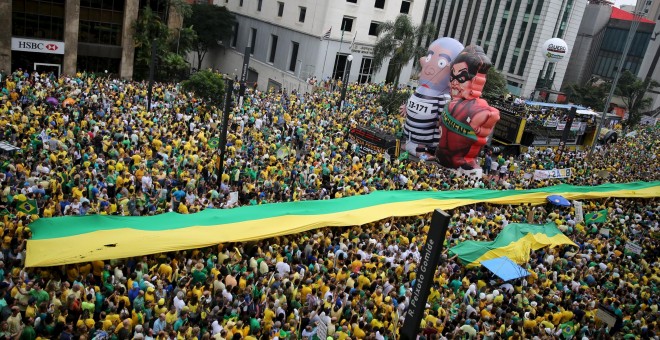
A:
[347,72]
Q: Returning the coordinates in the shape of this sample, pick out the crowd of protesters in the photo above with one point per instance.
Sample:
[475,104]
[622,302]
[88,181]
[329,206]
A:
[89,146]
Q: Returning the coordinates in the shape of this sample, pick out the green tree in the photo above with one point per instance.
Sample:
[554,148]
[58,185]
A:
[207,85]
[398,41]
[172,45]
[632,90]
[495,86]
[588,95]
[390,101]
[212,24]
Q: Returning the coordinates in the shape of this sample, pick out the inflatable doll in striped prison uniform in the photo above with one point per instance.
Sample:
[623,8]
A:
[468,121]
[422,110]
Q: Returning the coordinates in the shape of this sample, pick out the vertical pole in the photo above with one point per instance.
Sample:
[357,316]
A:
[347,72]
[152,70]
[564,136]
[244,74]
[430,259]
[325,59]
[617,75]
[223,134]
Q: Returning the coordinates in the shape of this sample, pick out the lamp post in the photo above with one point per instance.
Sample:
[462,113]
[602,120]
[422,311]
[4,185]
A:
[347,72]
[637,17]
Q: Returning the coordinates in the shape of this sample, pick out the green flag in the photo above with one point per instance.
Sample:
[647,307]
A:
[4,212]
[28,207]
[596,217]
[213,142]
[568,330]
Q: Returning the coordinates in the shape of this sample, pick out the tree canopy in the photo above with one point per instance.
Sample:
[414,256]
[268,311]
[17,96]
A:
[398,41]
[589,95]
[632,90]
[495,86]
[172,45]
[206,84]
[212,24]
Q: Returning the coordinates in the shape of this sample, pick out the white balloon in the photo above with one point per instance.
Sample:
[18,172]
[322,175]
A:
[554,50]
[496,292]
[482,296]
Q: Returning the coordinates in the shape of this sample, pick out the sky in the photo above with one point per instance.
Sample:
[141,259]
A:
[618,3]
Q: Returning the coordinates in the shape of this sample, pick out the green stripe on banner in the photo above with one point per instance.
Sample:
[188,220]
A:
[48,228]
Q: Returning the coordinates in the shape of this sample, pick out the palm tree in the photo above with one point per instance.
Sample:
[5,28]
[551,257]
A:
[398,41]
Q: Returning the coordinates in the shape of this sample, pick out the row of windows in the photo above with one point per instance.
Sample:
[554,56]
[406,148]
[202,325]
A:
[302,11]
[37,26]
[99,33]
[366,68]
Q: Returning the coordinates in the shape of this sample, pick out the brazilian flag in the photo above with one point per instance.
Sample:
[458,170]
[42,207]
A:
[568,330]
[4,212]
[28,207]
[596,217]
[213,142]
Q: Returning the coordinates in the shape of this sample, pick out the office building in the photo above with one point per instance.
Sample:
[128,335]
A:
[512,33]
[287,44]
[69,35]
[649,67]
[599,45]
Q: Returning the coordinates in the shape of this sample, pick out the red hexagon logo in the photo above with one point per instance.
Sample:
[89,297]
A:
[51,47]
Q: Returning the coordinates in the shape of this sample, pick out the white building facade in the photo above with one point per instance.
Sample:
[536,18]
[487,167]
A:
[512,33]
[287,45]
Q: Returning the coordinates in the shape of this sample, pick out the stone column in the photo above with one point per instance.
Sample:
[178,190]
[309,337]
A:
[71,28]
[127,43]
[5,35]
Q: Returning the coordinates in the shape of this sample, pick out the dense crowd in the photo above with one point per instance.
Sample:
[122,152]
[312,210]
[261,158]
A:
[89,146]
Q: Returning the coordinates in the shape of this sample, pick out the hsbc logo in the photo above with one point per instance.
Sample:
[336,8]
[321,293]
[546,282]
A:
[39,46]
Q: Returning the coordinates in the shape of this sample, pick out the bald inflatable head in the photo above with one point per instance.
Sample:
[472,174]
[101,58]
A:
[434,76]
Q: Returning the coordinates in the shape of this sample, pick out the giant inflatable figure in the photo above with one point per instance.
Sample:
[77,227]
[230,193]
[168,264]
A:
[468,121]
[422,111]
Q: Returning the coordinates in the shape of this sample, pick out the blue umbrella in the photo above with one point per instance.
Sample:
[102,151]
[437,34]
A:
[559,201]
[504,268]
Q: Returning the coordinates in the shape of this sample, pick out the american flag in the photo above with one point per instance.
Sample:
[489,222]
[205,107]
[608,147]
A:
[327,34]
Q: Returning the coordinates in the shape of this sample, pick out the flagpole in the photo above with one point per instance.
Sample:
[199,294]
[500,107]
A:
[325,59]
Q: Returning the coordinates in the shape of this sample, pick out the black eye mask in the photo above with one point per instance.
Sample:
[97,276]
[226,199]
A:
[462,76]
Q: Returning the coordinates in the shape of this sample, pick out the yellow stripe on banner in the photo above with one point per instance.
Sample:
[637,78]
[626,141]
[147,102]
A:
[518,251]
[123,243]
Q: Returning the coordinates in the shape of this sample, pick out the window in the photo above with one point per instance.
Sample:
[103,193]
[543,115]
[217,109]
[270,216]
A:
[253,40]
[379,4]
[365,71]
[234,38]
[405,7]
[240,3]
[373,28]
[347,24]
[352,1]
[301,15]
[273,48]
[259,3]
[280,8]
[294,56]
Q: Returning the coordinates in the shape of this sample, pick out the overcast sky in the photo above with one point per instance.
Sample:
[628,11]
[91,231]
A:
[618,3]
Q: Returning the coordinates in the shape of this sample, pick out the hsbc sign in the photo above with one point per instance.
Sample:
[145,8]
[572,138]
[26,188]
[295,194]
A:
[38,46]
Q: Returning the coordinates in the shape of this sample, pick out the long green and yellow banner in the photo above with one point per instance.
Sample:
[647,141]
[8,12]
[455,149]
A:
[65,240]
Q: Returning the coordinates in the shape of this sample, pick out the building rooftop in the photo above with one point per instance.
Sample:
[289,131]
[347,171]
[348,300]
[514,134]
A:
[620,14]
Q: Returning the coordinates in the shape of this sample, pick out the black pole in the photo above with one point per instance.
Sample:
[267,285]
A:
[244,74]
[223,134]
[152,70]
[564,136]
[425,273]
[345,81]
